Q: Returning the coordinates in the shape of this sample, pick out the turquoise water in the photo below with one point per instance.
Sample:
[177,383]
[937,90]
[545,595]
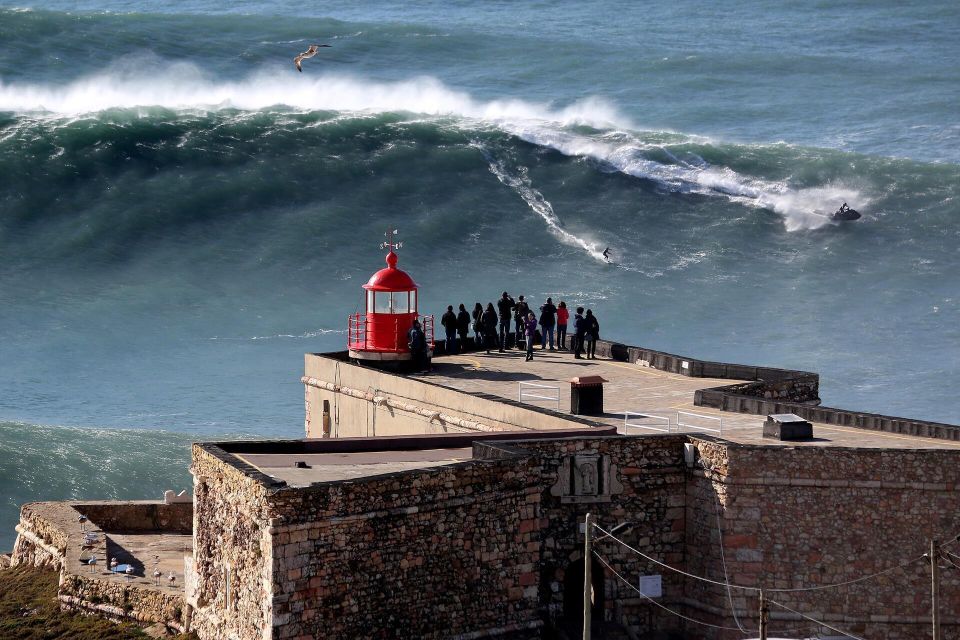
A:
[183,215]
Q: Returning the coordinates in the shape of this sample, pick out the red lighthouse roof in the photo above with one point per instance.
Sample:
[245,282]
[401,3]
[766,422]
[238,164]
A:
[391,278]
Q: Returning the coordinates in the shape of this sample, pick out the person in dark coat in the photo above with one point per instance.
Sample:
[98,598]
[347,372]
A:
[505,306]
[417,343]
[548,319]
[592,334]
[579,330]
[488,322]
[449,322]
[530,330]
[478,324]
[520,316]
[463,326]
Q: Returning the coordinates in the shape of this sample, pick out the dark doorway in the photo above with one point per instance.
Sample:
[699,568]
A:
[573,598]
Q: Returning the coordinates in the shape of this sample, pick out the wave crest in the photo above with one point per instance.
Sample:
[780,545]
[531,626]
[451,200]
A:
[130,84]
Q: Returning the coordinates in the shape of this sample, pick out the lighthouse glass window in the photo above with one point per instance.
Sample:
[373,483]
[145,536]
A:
[392,302]
[399,302]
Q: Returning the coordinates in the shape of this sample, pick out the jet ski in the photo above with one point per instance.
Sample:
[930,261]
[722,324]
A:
[845,213]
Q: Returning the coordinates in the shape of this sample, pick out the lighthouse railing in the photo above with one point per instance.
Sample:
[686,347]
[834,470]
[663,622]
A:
[358,334]
[357,331]
[427,323]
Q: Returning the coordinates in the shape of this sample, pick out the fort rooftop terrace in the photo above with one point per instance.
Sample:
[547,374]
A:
[641,390]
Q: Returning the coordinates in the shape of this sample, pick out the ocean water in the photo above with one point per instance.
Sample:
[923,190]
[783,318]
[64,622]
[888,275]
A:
[183,215]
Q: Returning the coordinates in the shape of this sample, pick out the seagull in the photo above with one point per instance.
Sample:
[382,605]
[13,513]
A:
[309,53]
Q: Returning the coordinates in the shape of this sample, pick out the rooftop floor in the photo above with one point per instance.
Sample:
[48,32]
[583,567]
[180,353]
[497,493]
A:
[143,550]
[658,394]
[329,467]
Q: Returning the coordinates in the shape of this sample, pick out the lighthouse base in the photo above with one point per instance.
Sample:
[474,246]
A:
[387,360]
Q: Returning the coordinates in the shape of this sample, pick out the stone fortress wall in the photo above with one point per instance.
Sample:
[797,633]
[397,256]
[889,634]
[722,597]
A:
[50,535]
[491,547]
[804,517]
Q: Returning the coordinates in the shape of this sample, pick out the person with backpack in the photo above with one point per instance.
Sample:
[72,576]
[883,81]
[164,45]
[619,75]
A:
[520,317]
[449,322]
[548,318]
[478,324]
[505,305]
[488,321]
[592,334]
[417,343]
[463,326]
[562,316]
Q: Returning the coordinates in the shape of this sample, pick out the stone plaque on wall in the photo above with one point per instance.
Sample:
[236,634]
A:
[586,478]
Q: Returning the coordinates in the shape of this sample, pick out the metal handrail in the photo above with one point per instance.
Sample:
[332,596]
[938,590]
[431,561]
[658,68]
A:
[627,423]
[681,423]
[522,395]
[358,336]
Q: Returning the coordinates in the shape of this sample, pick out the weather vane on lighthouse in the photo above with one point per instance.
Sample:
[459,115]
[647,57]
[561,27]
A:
[390,234]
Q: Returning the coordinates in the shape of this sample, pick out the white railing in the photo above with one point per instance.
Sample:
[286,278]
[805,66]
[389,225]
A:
[660,423]
[539,392]
[682,422]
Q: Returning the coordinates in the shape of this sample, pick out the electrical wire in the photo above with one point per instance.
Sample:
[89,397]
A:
[951,562]
[723,560]
[735,586]
[953,539]
[820,622]
[652,601]
[666,566]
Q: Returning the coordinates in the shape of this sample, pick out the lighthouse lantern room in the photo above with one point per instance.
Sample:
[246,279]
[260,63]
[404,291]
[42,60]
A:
[379,334]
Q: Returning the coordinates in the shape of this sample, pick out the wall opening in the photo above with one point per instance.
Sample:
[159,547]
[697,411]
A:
[573,597]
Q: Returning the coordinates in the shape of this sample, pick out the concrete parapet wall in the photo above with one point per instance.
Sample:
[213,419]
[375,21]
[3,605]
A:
[771,390]
[727,399]
[41,539]
[119,601]
[366,410]
[139,515]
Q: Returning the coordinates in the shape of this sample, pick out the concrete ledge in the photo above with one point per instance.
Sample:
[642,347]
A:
[772,390]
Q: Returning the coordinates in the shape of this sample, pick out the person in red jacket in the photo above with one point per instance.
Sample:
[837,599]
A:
[562,316]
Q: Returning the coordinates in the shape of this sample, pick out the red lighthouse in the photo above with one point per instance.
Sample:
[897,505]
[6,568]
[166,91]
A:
[379,334]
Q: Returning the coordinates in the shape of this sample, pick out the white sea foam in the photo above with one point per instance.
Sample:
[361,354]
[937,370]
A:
[186,86]
[808,208]
[518,179]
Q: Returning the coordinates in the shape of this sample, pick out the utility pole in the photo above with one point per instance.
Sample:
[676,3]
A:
[935,587]
[764,612]
[587,577]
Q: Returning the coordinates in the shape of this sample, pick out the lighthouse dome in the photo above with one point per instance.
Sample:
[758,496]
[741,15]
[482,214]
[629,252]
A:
[390,278]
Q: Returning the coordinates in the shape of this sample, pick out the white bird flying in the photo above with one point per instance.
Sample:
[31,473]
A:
[309,53]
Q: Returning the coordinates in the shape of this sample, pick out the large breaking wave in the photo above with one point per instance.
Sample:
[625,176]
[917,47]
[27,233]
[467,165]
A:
[590,129]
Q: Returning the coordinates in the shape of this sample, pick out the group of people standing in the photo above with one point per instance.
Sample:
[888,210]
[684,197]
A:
[492,325]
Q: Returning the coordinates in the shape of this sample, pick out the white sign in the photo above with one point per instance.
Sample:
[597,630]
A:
[651,586]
